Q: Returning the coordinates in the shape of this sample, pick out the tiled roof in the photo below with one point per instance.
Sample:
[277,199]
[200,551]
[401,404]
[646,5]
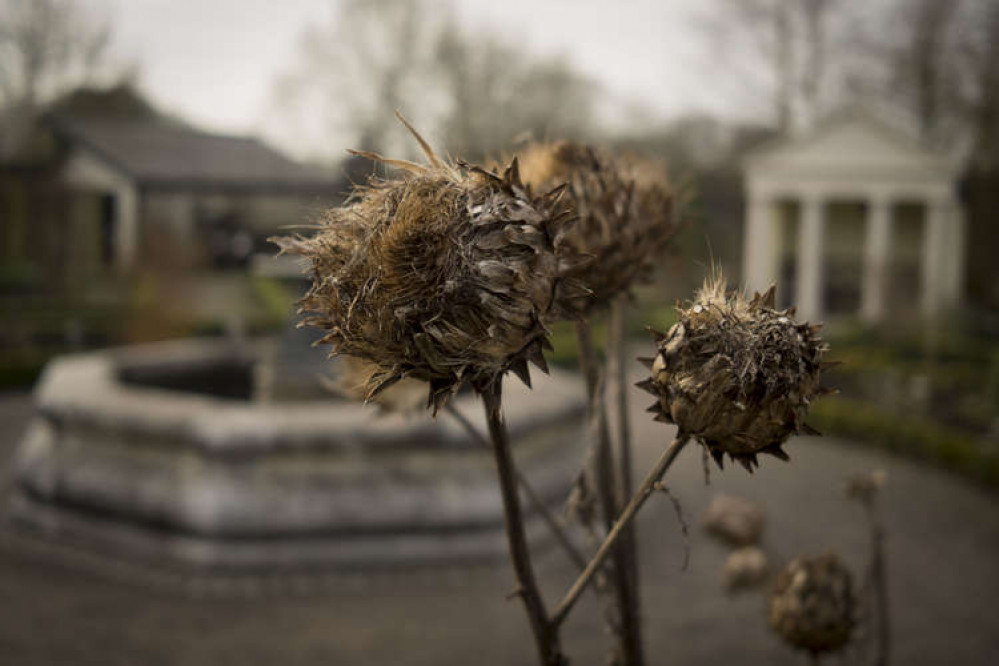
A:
[158,152]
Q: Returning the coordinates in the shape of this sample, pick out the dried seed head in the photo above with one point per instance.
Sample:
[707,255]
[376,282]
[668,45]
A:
[625,209]
[738,375]
[865,487]
[444,274]
[812,604]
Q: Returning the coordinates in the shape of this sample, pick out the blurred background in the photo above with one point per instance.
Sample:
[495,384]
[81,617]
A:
[148,149]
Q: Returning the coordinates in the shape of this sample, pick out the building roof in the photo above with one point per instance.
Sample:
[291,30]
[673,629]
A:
[854,145]
[160,152]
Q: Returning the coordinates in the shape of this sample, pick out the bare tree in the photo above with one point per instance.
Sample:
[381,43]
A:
[924,62]
[47,47]
[979,63]
[494,93]
[370,59]
[789,48]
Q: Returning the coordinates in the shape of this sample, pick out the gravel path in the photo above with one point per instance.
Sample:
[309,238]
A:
[942,549]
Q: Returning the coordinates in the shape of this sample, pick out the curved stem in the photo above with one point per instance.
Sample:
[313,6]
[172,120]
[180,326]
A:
[545,632]
[629,513]
[537,503]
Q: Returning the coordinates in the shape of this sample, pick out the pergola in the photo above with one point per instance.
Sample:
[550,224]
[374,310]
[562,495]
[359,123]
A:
[854,156]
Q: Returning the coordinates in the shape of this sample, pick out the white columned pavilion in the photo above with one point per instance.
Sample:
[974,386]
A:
[853,157]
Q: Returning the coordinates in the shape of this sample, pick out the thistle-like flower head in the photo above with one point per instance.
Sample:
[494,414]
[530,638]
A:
[812,604]
[444,274]
[625,209]
[736,374]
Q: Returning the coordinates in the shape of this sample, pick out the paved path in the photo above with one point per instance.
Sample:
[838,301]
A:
[943,558]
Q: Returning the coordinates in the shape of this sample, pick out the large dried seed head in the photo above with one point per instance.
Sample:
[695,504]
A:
[812,604]
[444,274]
[736,374]
[625,209]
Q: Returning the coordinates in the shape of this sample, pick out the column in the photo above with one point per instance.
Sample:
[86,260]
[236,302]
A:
[876,259]
[935,255]
[758,243]
[126,228]
[809,278]
[954,272]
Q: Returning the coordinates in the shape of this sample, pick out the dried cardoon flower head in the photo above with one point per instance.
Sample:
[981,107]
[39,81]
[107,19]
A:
[736,374]
[812,604]
[625,209]
[443,274]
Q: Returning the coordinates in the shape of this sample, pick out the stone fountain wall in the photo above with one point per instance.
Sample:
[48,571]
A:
[115,460]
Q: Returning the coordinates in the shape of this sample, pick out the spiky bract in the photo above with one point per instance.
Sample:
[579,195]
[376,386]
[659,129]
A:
[812,604]
[444,274]
[736,374]
[625,209]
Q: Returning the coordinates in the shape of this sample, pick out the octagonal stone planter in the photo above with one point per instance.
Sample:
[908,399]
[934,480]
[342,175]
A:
[128,452]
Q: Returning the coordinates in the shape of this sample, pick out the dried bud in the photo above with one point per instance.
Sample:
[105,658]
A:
[812,604]
[444,275]
[745,568]
[865,487]
[738,375]
[625,210]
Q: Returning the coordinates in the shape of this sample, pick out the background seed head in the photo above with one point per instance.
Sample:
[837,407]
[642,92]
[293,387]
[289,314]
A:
[812,604]
[736,374]
[444,274]
[625,207]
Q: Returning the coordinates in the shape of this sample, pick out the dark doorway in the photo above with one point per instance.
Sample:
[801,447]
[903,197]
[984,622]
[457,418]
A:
[109,224]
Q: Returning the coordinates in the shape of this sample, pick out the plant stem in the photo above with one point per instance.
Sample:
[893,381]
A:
[536,502]
[625,485]
[545,632]
[629,633]
[640,497]
[620,383]
[880,586]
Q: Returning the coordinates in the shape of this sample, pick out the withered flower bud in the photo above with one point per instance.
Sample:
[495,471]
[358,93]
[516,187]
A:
[812,604]
[444,274]
[736,374]
[625,209]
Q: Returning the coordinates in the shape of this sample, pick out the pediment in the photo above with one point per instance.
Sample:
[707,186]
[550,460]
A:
[848,143]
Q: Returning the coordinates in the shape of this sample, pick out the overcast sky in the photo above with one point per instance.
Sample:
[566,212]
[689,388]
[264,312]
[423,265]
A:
[214,62]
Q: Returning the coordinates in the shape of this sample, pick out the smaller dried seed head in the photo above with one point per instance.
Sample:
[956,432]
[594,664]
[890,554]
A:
[625,209]
[736,374]
[865,487]
[444,274]
[812,604]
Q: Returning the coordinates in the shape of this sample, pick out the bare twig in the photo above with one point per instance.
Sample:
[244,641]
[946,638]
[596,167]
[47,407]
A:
[629,513]
[628,631]
[684,527]
[545,632]
[536,502]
